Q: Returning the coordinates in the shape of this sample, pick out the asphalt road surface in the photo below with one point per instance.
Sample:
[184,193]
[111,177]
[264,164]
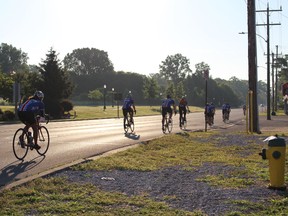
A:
[74,141]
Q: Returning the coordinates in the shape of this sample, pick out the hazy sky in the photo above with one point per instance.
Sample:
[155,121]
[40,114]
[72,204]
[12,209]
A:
[139,34]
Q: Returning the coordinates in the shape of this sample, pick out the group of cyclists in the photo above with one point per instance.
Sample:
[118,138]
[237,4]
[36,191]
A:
[34,106]
[168,107]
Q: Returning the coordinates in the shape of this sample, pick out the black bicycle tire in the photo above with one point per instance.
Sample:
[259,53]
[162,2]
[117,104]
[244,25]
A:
[132,126]
[125,121]
[48,142]
[170,125]
[165,126]
[14,143]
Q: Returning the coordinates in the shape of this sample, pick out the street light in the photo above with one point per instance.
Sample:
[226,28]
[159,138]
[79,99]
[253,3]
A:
[256,34]
[112,97]
[104,97]
[268,73]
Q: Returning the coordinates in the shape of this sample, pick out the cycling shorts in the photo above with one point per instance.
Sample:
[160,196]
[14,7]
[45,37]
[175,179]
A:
[166,110]
[27,117]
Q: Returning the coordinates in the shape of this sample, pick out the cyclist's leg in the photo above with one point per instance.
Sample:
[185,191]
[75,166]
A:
[163,116]
[131,114]
[184,114]
[180,116]
[170,113]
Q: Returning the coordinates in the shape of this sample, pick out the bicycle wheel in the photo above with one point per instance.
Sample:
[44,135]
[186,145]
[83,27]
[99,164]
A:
[170,125]
[20,150]
[181,122]
[165,126]
[184,124]
[131,125]
[125,124]
[43,140]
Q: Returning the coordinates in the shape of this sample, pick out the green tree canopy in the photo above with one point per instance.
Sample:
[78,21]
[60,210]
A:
[88,61]
[12,59]
[175,67]
[95,94]
[150,88]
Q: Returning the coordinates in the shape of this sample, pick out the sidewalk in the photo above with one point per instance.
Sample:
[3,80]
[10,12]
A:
[277,124]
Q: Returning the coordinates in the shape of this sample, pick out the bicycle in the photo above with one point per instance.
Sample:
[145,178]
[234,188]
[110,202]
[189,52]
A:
[128,124]
[209,119]
[22,145]
[168,124]
[225,117]
[183,121]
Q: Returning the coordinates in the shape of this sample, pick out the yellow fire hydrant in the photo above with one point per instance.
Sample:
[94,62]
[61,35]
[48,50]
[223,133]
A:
[276,157]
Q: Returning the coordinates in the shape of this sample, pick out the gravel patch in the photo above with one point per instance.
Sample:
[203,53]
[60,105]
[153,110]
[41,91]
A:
[180,188]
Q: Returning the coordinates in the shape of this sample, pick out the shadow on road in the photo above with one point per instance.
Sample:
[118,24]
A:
[10,172]
[132,136]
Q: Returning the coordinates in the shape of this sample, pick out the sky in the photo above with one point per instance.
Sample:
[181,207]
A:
[139,34]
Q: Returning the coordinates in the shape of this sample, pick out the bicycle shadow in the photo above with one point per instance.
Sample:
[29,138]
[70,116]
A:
[132,136]
[10,172]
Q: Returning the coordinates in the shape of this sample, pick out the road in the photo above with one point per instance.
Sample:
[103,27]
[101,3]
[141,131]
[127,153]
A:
[73,141]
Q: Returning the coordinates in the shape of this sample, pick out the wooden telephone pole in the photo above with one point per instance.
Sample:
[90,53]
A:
[252,67]
[268,24]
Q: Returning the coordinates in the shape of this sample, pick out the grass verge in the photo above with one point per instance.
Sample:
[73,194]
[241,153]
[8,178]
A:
[187,151]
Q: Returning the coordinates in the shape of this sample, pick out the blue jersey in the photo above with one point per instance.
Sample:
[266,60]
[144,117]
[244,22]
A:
[226,107]
[168,103]
[210,108]
[32,105]
[128,102]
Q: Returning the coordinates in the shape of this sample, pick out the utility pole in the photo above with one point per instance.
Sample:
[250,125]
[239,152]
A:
[252,67]
[273,86]
[268,56]
[276,80]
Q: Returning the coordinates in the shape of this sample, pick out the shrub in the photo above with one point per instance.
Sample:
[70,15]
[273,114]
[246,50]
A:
[8,115]
[66,105]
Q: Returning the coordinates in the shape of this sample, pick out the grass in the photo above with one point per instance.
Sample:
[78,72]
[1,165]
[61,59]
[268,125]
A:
[57,196]
[97,112]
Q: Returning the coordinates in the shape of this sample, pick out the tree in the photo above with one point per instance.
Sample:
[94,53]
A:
[150,88]
[87,61]
[95,95]
[201,67]
[180,92]
[12,59]
[6,85]
[171,90]
[56,84]
[175,67]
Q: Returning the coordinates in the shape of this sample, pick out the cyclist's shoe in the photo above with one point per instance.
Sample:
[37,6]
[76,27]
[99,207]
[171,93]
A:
[163,128]
[36,146]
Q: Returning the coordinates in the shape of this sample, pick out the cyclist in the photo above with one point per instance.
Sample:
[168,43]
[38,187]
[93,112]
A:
[244,109]
[210,112]
[166,108]
[226,108]
[28,112]
[128,106]
[183,107]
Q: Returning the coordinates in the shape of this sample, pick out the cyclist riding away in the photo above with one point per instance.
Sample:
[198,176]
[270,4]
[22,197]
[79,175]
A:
[209,112]
[183,107]
[166,108]
[244,109]
[128,107]
[28,113]
[226,108]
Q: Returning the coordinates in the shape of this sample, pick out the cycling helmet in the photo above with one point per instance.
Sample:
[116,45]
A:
[39,94]
[168,96]
[129,95]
